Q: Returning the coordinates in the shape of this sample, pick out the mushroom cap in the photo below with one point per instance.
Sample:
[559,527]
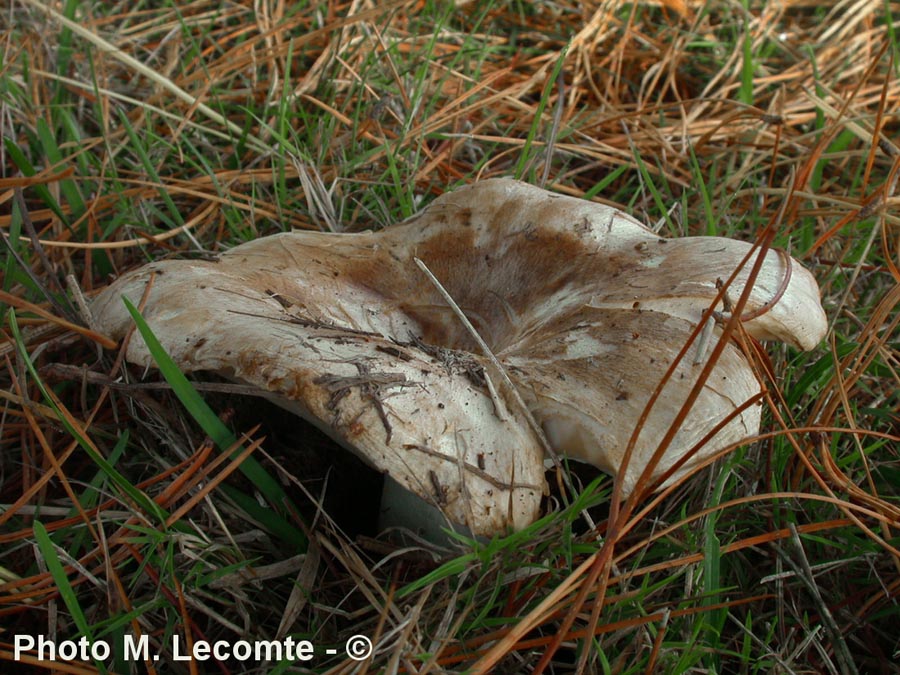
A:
[583,306]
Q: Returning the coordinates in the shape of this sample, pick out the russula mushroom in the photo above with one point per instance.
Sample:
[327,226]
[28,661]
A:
[584,307]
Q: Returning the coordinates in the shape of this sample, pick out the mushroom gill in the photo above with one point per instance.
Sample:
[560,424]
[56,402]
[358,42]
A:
[583,306]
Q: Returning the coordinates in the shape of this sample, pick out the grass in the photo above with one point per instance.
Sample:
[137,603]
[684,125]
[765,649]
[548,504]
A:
[134,131]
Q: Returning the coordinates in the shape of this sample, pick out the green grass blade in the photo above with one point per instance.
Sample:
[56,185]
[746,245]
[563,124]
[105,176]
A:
[58,572]
[647,177]
[748,67]
[711,220]
[140,150]
[607,180]
[135,495]
[55,158]
[213,427]
[10,270]
[27,168]
[525,156]
[197,408]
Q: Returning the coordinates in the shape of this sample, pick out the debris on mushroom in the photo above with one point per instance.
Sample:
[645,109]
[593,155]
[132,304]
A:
[583,306]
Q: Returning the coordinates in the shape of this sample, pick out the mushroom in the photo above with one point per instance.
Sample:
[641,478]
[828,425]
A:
[583,308]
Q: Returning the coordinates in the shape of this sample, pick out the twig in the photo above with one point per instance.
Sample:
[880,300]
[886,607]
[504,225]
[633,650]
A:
[840,645]
[514,392]
[554,129]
